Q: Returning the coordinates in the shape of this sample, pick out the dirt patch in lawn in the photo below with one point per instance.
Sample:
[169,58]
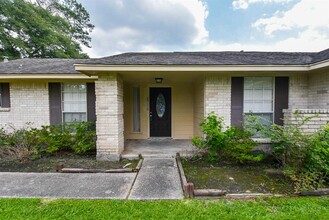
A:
[235,178]
[48,164]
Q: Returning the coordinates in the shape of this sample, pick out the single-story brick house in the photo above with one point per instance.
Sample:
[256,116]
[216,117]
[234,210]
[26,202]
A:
[145,95]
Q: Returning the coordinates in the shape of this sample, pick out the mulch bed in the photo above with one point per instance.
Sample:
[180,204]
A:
[48,164]
[234,178]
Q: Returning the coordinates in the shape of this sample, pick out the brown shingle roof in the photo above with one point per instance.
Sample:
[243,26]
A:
[40,66]
[65,66]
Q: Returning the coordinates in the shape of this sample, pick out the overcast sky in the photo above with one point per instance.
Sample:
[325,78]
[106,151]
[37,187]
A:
[207,25]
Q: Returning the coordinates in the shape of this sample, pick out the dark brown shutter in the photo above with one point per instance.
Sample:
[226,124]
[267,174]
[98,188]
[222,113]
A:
[91,99]
[55,103]
[237,101]
[281,98]
[5,95]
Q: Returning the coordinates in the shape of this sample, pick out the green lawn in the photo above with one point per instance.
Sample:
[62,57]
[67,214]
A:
[271,208]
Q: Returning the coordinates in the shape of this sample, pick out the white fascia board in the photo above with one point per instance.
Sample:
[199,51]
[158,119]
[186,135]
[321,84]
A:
[47,76]
[92,69]
[324,63]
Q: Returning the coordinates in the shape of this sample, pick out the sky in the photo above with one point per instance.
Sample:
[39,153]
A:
[207,25]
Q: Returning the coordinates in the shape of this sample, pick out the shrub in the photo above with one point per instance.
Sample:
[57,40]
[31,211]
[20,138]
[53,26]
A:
[51,139]
[318,155]
[77,137]
[15,145]
[84,137]
[289,143]
[30,143]
[233,143]
[304,157]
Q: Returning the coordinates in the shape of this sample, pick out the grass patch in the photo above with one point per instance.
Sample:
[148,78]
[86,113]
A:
[48,164]
[235,178]
[270,208]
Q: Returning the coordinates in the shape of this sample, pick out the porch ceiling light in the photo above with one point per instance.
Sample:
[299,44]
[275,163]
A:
[158,80]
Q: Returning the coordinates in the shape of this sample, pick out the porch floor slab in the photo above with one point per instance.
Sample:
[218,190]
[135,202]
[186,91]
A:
[158,148]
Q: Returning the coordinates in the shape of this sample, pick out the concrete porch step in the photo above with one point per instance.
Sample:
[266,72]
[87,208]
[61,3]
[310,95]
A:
[156,155]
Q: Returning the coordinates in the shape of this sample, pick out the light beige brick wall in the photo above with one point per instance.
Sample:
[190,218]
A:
[29,104]
[218,96]
[109,111]
[309,96]
[298,91]
[295,116]
[319,90]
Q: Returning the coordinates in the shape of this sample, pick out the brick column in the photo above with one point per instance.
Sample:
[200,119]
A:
[218,97]
[109,114]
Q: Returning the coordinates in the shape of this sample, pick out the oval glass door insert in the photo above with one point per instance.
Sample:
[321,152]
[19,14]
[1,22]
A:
[160,105]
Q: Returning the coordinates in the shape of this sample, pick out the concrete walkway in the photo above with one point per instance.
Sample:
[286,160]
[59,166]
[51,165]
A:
[157,179]
[66,185]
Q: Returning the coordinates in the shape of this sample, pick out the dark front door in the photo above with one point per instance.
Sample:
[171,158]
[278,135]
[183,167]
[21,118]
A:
[160,112]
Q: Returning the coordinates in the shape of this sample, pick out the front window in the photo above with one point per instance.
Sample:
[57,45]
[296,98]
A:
[74,102]
[258,97]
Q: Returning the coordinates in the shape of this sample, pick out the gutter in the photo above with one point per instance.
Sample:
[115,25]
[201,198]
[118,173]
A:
[92,69]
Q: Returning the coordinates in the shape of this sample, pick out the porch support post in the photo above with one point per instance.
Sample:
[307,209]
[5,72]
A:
[109,114]
[217,96]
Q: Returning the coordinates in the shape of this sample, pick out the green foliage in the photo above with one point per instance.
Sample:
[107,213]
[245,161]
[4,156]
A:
[304,157]
[29,30]
[239,146]
[51,139]
[84,138]
[289,142]
[30,143]
[15,145]
[233,143]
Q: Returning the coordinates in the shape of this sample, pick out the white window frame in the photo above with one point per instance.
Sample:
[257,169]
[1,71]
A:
[76,102]
[273,99]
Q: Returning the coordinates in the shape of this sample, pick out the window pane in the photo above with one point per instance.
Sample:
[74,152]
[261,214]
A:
[258,95]
[267,82]
[267,107]
[74,102]
[268,94]
[248,83]
[74,117]
[247,94]
[248,107]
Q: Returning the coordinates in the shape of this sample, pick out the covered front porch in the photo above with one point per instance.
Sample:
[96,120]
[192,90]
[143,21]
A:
[137,114]
[162,112]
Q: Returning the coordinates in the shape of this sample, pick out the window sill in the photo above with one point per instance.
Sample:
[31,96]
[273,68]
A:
[262,140]
[4,109]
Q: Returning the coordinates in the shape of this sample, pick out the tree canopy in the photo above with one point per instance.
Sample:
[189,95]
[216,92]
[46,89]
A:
[43,28]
